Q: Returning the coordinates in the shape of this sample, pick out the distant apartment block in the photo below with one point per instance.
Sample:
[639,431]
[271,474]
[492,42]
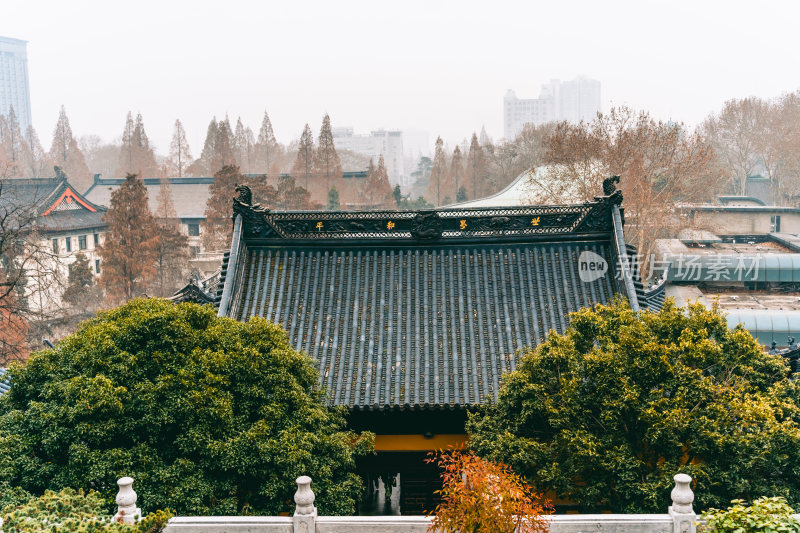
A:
[573,101]
[389,143]
[14,87]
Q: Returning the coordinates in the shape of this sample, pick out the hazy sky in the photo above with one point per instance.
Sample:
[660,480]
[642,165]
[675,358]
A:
[440,66]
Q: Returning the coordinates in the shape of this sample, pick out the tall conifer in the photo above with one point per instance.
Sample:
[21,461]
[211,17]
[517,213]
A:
[383,189]
[455,175]
[223,146]
[131,243]
[14,145]
[136,156]
[438,174]
[219,208]
[179,152]
[207,155]
[268,150]
[476,168]
[327,165]
[303,167]
[64,152]
[36,162]
[126,153]
[244,147]
[173,246]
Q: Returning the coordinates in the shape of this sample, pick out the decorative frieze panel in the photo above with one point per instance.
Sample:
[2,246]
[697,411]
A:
[423,226]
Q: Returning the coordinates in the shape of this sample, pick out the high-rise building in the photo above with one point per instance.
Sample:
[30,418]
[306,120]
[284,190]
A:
[14,87]
[388,143]
[573,101]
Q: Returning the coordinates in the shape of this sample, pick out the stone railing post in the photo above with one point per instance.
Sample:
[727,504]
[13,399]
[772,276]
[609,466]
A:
[681,512]
[305,514]
[127,512]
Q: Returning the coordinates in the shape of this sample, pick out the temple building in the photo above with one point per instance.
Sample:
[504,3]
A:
[412,317]
[64,223]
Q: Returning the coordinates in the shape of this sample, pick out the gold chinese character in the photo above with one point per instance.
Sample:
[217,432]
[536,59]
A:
[319,226]
[462,224]
[535,221]
[390,225]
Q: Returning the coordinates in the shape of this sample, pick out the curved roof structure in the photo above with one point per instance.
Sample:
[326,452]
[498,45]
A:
[420,310]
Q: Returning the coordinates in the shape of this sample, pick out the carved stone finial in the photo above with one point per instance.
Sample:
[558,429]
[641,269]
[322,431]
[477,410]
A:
[305,514]
[609,185]
[683,517]
[127,512]
[682,495]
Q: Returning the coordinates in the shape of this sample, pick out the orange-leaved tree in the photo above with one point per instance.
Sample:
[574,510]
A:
[480,495]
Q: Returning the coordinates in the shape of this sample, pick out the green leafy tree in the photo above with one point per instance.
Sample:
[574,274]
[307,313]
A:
[607,413]
[461,195]
[333,199]
[209,415]
[81,288]
[398,195]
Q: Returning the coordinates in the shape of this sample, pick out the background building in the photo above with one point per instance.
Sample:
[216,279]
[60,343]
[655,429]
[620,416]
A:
[14,88]
[573,101]
[389,143]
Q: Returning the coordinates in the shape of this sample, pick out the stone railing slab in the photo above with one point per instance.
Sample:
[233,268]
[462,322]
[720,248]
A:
[611,523]
[221,524]
[372,524]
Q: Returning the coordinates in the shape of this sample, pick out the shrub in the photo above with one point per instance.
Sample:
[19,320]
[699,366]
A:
[765,515]
[479,495]
[73,511]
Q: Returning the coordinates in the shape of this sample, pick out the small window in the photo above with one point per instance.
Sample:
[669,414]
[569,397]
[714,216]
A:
[96,240]
[775,224]
[68,240]
[55,246]
[195,250]
[97,266]
[82,242]
[194,230]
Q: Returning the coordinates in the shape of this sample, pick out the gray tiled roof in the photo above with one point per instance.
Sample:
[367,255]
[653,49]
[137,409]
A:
[5,386]
[188,194]
[44,193]
[414,328]
[410,310]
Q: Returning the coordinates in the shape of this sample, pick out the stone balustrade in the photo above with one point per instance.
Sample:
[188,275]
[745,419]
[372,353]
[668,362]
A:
[680,517]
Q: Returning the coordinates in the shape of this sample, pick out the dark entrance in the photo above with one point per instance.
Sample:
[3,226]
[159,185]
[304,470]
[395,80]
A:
[407,472]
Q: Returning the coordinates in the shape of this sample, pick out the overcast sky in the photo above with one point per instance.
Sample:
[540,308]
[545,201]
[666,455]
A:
[434,65]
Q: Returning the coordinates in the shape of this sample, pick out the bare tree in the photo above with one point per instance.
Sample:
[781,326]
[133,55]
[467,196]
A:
[661,165]
[29,274]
